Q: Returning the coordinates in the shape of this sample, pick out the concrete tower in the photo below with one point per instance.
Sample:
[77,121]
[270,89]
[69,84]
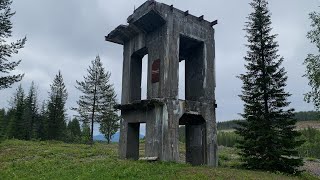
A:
[168,36]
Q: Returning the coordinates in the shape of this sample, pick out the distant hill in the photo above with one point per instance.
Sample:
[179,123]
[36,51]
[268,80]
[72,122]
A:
[305,117]
[115,137]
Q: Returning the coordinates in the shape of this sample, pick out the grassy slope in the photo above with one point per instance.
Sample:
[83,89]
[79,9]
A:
[55,160]
[306,124]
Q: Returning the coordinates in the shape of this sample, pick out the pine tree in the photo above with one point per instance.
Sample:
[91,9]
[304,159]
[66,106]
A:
[312,63]
[97,93]
[56,117]
[269,139]
[17,125]
[7,50]
[30,115]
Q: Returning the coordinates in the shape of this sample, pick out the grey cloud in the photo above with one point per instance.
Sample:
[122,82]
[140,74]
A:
[67,35]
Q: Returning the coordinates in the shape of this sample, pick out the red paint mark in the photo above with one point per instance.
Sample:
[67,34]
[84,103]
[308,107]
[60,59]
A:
[156,71]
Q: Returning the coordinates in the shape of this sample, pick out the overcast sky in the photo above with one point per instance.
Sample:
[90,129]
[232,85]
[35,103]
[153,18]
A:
[67,35]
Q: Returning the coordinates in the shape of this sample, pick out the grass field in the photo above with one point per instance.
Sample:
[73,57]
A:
[56,160]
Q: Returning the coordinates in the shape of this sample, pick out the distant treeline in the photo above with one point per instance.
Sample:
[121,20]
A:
[300,116]
[310,148]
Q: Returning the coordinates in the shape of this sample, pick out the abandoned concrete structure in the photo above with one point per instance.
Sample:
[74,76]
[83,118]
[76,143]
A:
[168,36]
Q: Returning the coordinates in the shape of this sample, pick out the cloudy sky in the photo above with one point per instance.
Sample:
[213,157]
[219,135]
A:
[67,35]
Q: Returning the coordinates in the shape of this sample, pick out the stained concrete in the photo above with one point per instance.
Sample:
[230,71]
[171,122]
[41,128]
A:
[169,35]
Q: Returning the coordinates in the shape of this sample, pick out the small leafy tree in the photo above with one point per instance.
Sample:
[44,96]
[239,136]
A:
[97,92]
[56,120]
[8,49]
[74,130]
[85,133]
[269,140]
[312,63]
[109,125]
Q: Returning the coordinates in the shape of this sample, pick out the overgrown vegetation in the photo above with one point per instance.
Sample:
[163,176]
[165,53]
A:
[227,139]
[56,160]
[311,147]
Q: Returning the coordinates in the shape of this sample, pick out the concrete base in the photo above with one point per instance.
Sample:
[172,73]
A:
[162,119]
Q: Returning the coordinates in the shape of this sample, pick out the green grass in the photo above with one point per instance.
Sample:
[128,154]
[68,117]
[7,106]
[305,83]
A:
[56,160]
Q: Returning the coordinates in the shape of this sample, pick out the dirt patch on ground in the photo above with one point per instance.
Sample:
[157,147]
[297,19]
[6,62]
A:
[312,167]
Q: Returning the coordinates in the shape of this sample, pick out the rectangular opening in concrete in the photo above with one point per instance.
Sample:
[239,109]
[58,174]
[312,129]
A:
[144,77]
[142,135]
[182,82]
[192,51]
[192,136]
[135,141]
[138,75]
[182,143]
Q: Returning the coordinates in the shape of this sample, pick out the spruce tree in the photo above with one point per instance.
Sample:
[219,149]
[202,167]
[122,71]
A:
[30,115]
[98,93]
[56,117]
[8,49]
[3,125]
[268,135]
[17,125]
[41,125]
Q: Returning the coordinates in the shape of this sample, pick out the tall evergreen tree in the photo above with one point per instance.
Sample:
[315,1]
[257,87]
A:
[56,117]
[8,49]
[312,63]
[269,139]
[41,125]
[17,125]
[30,115]
[97,94]
[3,124]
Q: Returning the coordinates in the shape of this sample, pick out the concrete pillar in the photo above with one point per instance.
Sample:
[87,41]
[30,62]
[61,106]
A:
[154,133]
[211,137]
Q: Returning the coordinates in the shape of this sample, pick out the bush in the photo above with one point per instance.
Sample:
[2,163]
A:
[311,148]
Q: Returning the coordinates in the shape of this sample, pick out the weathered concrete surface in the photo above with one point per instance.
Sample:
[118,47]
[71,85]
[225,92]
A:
[169,35]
